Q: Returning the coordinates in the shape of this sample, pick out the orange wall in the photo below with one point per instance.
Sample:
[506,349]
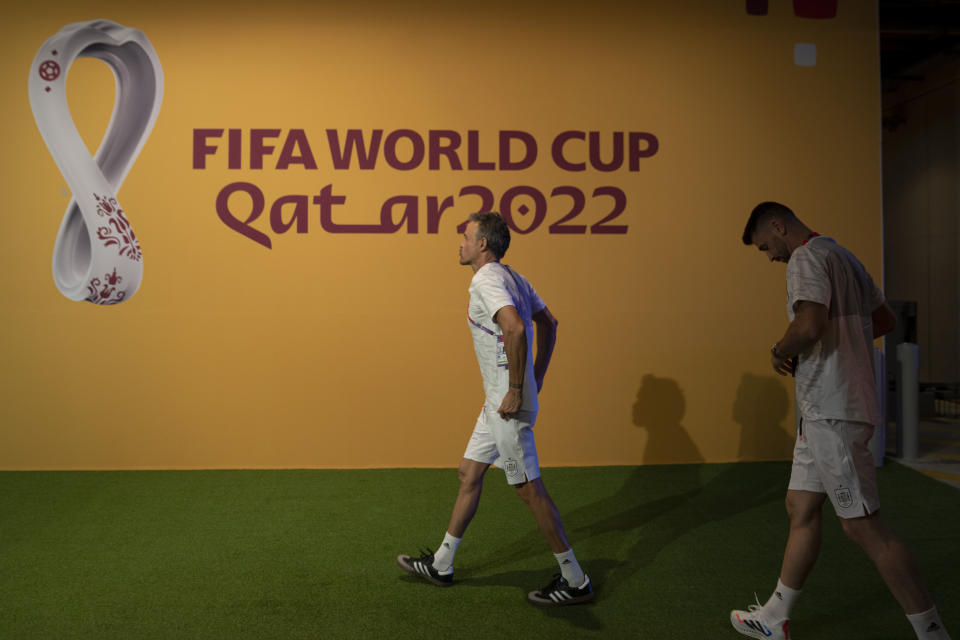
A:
[351,350]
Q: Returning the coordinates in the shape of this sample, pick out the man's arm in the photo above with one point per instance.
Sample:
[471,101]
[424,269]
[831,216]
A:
[884,321]
[809,323]
[515,346]
[546,339]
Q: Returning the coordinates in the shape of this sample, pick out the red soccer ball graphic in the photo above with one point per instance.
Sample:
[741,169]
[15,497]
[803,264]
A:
[49,70]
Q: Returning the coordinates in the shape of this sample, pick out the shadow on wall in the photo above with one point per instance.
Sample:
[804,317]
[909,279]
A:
[761,409]
[659,408]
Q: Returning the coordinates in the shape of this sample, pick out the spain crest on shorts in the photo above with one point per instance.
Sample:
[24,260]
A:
[512,468]
[844,497]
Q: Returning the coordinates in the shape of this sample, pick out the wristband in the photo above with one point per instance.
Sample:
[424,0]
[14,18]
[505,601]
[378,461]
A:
[516,386]
[96,256]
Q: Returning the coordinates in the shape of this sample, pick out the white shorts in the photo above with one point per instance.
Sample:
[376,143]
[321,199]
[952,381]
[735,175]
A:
[833,457]
[507,444]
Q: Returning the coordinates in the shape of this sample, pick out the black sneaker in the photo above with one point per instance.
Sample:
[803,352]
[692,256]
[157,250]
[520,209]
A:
[559,592]
[422,567]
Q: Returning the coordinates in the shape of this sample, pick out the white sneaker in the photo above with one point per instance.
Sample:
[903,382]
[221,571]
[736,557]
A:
[754,624]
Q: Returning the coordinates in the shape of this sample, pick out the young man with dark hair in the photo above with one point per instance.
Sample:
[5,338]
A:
[503,309]
[836,311]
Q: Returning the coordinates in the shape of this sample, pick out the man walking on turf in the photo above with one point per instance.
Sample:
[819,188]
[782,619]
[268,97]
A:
[503,309]
[836,311]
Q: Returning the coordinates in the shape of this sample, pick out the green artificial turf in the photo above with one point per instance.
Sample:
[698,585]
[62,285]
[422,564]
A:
[311,554]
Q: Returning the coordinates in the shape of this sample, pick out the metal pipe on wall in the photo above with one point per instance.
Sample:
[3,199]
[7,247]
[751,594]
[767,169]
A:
[908,408]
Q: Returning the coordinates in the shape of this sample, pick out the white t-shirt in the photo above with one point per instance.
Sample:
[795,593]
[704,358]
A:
[493,287]
[835,378]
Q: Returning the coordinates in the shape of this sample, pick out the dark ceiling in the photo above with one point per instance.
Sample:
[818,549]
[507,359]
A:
[913,31]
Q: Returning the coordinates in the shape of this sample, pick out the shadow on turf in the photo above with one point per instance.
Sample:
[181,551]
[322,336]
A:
[655,507]
[581,616]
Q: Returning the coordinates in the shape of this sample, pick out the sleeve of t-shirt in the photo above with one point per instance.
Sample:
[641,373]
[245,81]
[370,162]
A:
[807,279]
[536,303]
[493,292]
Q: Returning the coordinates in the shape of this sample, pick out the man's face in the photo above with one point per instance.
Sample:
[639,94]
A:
[771,239]
[469,244]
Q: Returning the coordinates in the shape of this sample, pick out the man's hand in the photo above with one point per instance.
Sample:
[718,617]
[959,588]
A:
[511,403]
[782,366]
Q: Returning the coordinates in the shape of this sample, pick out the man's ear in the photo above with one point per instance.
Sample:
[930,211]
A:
[778,226]
[482,244]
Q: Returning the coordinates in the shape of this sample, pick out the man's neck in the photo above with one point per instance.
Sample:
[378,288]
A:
[798,236]
[485,259]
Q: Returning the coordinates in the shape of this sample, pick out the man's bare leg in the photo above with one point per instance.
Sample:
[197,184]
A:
[470,474]
[438,567]
[896,564]
[545,512]
[803,544]
[577,586]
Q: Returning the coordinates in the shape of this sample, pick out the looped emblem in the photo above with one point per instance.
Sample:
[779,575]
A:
[97,256]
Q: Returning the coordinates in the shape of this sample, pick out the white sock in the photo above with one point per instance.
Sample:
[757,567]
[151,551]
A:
[928,626]
[443,558]
[570,568]
[781,602]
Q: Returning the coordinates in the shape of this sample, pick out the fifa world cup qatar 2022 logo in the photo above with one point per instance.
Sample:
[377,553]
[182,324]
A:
[97,256]
[554,209]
